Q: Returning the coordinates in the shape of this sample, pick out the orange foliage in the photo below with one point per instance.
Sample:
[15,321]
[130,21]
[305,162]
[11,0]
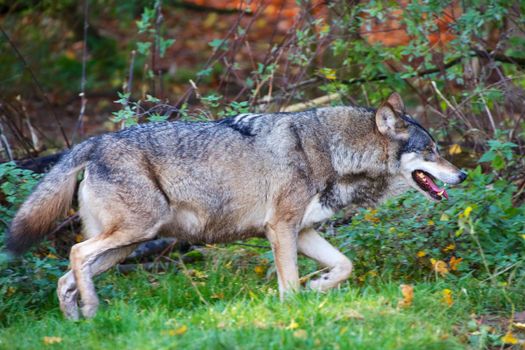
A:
[391,32]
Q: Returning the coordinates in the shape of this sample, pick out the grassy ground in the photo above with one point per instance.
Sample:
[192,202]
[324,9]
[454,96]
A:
[228,301]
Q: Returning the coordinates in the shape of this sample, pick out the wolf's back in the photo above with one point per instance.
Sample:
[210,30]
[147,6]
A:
[51,199]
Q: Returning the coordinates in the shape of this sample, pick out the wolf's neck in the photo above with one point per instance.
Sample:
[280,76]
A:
[355,153]
[351,159]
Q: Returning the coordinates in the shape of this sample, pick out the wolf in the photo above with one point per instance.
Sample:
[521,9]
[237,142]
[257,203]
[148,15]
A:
[253,175]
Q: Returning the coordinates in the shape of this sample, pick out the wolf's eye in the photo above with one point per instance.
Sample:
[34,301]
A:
[429,154]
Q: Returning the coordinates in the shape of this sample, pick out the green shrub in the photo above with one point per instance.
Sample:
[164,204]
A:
[30,280]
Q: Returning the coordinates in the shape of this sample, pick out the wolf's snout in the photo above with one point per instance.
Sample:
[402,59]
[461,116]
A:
[462,176]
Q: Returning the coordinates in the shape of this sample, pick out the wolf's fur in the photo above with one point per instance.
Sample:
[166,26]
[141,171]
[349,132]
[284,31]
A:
[273,175]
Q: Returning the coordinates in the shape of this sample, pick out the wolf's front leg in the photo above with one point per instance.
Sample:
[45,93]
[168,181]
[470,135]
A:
[283,239]
[314,246]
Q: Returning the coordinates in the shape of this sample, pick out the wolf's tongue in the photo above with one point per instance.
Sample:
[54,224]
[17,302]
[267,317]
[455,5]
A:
[436,189]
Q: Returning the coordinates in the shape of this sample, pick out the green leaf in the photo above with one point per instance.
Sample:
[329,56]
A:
[487,157]
[152,99]
[164,44]
[205,72]
[123,98]
[143,47]
[498,162]
[219,43]
[155,118]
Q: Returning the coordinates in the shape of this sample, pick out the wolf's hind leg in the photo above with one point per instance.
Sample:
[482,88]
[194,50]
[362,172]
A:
[99,254]
[67,290]
[314,246]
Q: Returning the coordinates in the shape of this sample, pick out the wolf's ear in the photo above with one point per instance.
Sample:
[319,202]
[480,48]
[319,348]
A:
[389,122]
[396,102]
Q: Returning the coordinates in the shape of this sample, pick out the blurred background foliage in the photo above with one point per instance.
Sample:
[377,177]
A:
[458,64]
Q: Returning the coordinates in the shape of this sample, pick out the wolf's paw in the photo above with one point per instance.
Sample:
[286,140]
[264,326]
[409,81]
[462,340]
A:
[89,310]
[70,311]
[68,299]
[333,278]
[322,283]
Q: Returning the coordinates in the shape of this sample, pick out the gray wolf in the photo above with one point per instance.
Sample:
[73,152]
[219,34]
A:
[273,175]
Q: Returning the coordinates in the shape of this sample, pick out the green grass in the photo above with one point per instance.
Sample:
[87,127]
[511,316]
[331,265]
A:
[240,309]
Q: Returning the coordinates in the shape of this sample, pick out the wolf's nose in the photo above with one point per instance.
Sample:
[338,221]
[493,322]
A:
[462,176]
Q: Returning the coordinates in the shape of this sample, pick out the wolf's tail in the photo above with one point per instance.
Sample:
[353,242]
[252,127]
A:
[51,199]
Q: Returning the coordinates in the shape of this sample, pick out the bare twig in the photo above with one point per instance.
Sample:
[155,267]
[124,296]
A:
[489,114]
[79,127]
[149,266]
[129,86]
[449,104]
[193,284]
[37,84]
[307,277]
[5,144]
[71,219]
[156,44]
[320,101]
[251,245]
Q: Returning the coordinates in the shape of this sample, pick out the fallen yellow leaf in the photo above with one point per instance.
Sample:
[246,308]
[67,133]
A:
[454,149]
[260,270]
[447,297]
[293,325]
[52,340]
[370,216]
[444,217]
[439,266]
[351,314]
[407,291]
[454,262]
[449,247]
[467,212]
[217,296]
[509,338]
[179,331]
[421,254]
[300,333]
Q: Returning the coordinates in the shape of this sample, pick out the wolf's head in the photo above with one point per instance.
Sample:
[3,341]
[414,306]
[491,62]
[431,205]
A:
[419,160]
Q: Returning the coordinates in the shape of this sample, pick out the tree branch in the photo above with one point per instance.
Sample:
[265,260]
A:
[204,8]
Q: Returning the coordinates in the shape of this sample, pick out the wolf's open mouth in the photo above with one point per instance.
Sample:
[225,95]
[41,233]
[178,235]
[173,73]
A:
[426,182]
